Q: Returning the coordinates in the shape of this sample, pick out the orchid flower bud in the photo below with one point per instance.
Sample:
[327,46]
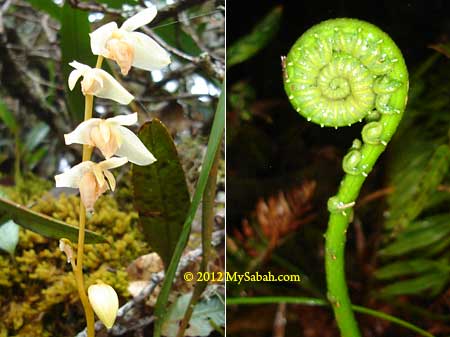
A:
[104,301]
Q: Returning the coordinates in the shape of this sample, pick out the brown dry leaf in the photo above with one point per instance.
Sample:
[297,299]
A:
[140,272]
[144,266]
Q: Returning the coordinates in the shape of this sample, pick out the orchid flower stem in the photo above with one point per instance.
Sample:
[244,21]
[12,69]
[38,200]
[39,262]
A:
[89,313]
[78,268]
[99,62]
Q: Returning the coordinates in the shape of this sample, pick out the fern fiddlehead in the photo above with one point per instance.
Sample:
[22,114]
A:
[340,72]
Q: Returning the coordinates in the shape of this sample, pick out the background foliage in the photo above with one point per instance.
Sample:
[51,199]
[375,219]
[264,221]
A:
[281,170]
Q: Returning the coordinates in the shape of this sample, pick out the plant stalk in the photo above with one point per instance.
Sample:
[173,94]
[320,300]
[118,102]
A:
[319,302]
[78,270]
[208,213]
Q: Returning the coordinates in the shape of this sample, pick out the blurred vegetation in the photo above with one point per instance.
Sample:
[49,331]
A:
[414,254]
[281,171]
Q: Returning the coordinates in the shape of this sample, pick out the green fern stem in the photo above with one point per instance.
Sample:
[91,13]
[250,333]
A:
[340,72]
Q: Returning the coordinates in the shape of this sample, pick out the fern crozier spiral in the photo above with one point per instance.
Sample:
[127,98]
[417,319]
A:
[341,70]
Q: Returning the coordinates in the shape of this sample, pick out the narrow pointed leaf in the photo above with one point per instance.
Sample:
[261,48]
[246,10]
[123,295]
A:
[408,267]
[431,283]
[214,141]
[43,224]
[437,229]
[415,187]
[161,195]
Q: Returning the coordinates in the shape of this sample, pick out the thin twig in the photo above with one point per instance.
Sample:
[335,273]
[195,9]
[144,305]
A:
[375,195]
[187,27]
[279,324]
[173,10]
[168,47]
[95,7]
[174,98]
[204,61]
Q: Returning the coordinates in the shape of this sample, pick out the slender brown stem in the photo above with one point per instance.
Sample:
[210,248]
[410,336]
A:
[78,269]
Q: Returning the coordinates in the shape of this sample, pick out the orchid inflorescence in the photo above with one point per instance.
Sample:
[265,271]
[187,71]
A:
[127,48]
[116,143]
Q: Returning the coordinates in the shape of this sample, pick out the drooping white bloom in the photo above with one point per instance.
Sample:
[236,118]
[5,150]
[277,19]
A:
[105,303]
[112,138]
[99,83]
[127,47]
[92,179]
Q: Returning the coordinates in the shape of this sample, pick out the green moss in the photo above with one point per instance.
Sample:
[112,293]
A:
[39,296]
[27,189]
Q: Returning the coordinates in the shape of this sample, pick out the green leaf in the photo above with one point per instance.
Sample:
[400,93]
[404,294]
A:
[424,233]
[7,117]
[432,283]
[43,224]
[414,190]
[249,45]
[75,45]
[437,248]
[207,316]
[215,139]
[205,312]
[176,37]
[161,195]
[47,6]
[9,236]
[409,267]
[36,135]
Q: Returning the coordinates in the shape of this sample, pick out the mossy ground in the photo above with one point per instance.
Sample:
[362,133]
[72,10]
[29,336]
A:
[37,287]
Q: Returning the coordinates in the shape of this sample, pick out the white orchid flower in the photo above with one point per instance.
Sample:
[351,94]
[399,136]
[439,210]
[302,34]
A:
[99,83]
[92,179]
[112,138]
[127,47]
[105,303]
